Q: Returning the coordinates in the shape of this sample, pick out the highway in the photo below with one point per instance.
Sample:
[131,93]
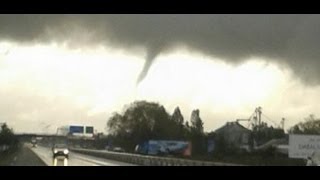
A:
[75,159]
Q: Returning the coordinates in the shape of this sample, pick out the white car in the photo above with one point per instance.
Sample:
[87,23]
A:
[60,150]
[118,149]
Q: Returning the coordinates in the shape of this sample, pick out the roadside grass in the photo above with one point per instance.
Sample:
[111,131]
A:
[7,157]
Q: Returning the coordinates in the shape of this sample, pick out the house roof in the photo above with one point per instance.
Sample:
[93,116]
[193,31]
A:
[230,125]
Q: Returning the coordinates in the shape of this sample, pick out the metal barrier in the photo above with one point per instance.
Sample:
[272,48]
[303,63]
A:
[146,160]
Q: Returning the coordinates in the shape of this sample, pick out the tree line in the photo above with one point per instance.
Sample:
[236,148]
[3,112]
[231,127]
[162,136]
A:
[310,125]
[142,121]
[8,140]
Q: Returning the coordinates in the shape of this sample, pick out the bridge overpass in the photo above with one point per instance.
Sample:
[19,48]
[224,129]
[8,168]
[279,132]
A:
[50,139]
[28,136]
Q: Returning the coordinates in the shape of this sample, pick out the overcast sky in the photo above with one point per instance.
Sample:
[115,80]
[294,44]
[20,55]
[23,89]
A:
[78,69]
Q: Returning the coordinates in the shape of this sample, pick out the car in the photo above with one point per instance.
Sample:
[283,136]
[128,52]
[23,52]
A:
[60,151]
[108,148]
[34,142]
[118,149]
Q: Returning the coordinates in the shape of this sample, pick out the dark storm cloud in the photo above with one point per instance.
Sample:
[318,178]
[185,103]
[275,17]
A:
[293,40]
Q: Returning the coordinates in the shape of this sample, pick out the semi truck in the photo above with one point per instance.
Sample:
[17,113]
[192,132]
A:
[164,148]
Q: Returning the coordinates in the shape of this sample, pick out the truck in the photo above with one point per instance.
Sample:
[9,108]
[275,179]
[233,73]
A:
[164,148]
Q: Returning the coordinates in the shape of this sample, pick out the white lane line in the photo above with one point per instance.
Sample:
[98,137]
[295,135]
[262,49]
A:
[56,160]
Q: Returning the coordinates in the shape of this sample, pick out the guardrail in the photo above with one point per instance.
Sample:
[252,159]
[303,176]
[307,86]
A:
[146,160]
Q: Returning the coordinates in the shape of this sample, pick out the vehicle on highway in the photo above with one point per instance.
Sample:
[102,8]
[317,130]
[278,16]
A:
[108,148]
[34,142]
[118,149]
[114,149]
[60,150]
[164,147]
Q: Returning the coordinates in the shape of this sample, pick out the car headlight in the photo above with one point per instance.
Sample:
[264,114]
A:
[66,151]
[55,151]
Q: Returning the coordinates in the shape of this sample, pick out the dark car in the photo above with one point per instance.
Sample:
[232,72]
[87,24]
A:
[60,151]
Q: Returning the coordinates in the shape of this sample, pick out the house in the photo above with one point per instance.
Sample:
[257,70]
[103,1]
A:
[235,134]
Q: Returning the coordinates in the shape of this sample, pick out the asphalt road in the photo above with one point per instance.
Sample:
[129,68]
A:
[75,159]
[25,157]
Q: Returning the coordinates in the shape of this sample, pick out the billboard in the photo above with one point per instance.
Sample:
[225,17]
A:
[76,129]
[302,146]
[89,129]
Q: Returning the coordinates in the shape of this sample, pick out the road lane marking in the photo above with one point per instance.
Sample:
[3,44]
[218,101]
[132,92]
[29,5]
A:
[55,162]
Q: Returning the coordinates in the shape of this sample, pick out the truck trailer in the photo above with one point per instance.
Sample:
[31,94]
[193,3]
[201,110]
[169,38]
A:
[164,147]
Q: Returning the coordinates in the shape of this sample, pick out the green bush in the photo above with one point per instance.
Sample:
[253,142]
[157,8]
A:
[8,141]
